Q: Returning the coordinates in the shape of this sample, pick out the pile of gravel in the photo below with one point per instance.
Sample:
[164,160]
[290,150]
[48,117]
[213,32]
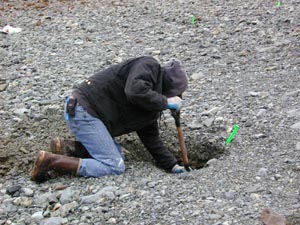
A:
[243,61]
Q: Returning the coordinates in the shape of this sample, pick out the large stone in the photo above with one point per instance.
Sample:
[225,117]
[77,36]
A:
[66,195]
[270,218]
[13,189]
[3,87]
[37,216]
[53,221]
[296,126]
[208,122]
[197,75]
[106,192]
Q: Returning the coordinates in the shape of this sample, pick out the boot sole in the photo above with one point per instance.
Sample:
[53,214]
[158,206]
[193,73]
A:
[35,176]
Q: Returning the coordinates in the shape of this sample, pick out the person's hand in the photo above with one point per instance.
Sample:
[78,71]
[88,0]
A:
[174,103]
[178,169]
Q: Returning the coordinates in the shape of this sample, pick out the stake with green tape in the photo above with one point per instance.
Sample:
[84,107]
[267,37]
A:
[233,133]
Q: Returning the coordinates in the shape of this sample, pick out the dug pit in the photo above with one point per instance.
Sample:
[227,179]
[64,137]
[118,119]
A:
[201,147]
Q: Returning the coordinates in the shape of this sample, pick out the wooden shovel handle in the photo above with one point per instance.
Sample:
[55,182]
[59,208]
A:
[182,147]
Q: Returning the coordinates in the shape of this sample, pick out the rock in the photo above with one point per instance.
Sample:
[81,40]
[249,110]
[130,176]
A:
[212,162]
[254,188]
[197,75]
[255,196]
[3,157]
[211,112]
[27,192]
[13,189]
[214,216]
[248,123]
[260,135]
[261,112]
[14,171]
[53,221]
[60,187]
[67,208]
[296,126]
[66,195]
[208,122]
[23,201]
[293,93]
[195,124]
[37,216]
[270,218]
[42,200]
[262,172]
[52,198]
[20,112]
[112,221]
[293,113]
[244,119]
[108,192]
[277,176]
[254,94]
[3,87]
[229,195]
[298,146]
[156,52]
[10,208]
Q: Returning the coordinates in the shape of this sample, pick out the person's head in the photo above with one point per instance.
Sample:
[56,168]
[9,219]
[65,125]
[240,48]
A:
[175,80]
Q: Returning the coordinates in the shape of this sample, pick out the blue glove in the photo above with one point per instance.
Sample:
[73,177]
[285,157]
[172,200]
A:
[178,169]
[174,103]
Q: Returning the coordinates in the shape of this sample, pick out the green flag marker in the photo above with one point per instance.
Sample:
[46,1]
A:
[233,133]
[278,3]
[193,20]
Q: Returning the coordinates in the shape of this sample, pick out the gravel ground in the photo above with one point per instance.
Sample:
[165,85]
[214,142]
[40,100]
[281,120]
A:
[243,60]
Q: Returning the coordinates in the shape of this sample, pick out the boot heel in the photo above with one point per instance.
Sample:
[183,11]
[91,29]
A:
[56,146]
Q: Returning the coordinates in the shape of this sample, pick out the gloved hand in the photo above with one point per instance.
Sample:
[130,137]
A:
[178,169]
[174,103]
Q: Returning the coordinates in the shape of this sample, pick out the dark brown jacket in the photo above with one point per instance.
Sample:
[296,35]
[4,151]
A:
[128,97]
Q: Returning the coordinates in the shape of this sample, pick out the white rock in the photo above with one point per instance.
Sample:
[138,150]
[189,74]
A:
[37,216]
[254,93]
[197,75]
[20,112]
[212,111]
[211,162]
[27,191]
[296,126]
[208,122]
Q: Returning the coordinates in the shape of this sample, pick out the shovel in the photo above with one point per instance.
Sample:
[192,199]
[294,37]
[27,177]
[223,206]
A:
[176,116]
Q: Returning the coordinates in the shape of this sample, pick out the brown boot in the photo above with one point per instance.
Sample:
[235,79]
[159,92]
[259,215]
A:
[68,148]
[47,161]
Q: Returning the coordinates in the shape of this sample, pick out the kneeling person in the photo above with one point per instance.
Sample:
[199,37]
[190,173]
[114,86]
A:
[123,98]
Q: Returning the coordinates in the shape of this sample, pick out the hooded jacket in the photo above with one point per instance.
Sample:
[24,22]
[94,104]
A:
[128,97]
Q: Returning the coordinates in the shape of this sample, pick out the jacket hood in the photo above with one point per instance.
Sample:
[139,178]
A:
[175,80]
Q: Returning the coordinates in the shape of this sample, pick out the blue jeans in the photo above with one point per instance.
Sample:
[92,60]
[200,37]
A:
[107,157]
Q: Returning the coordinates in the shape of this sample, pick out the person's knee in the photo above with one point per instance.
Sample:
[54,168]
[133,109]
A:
[119,167]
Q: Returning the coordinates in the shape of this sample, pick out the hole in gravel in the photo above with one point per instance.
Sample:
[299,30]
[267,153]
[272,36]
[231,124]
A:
[201,149]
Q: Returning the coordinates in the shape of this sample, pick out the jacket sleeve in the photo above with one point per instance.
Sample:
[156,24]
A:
[149,136]
[141,86]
